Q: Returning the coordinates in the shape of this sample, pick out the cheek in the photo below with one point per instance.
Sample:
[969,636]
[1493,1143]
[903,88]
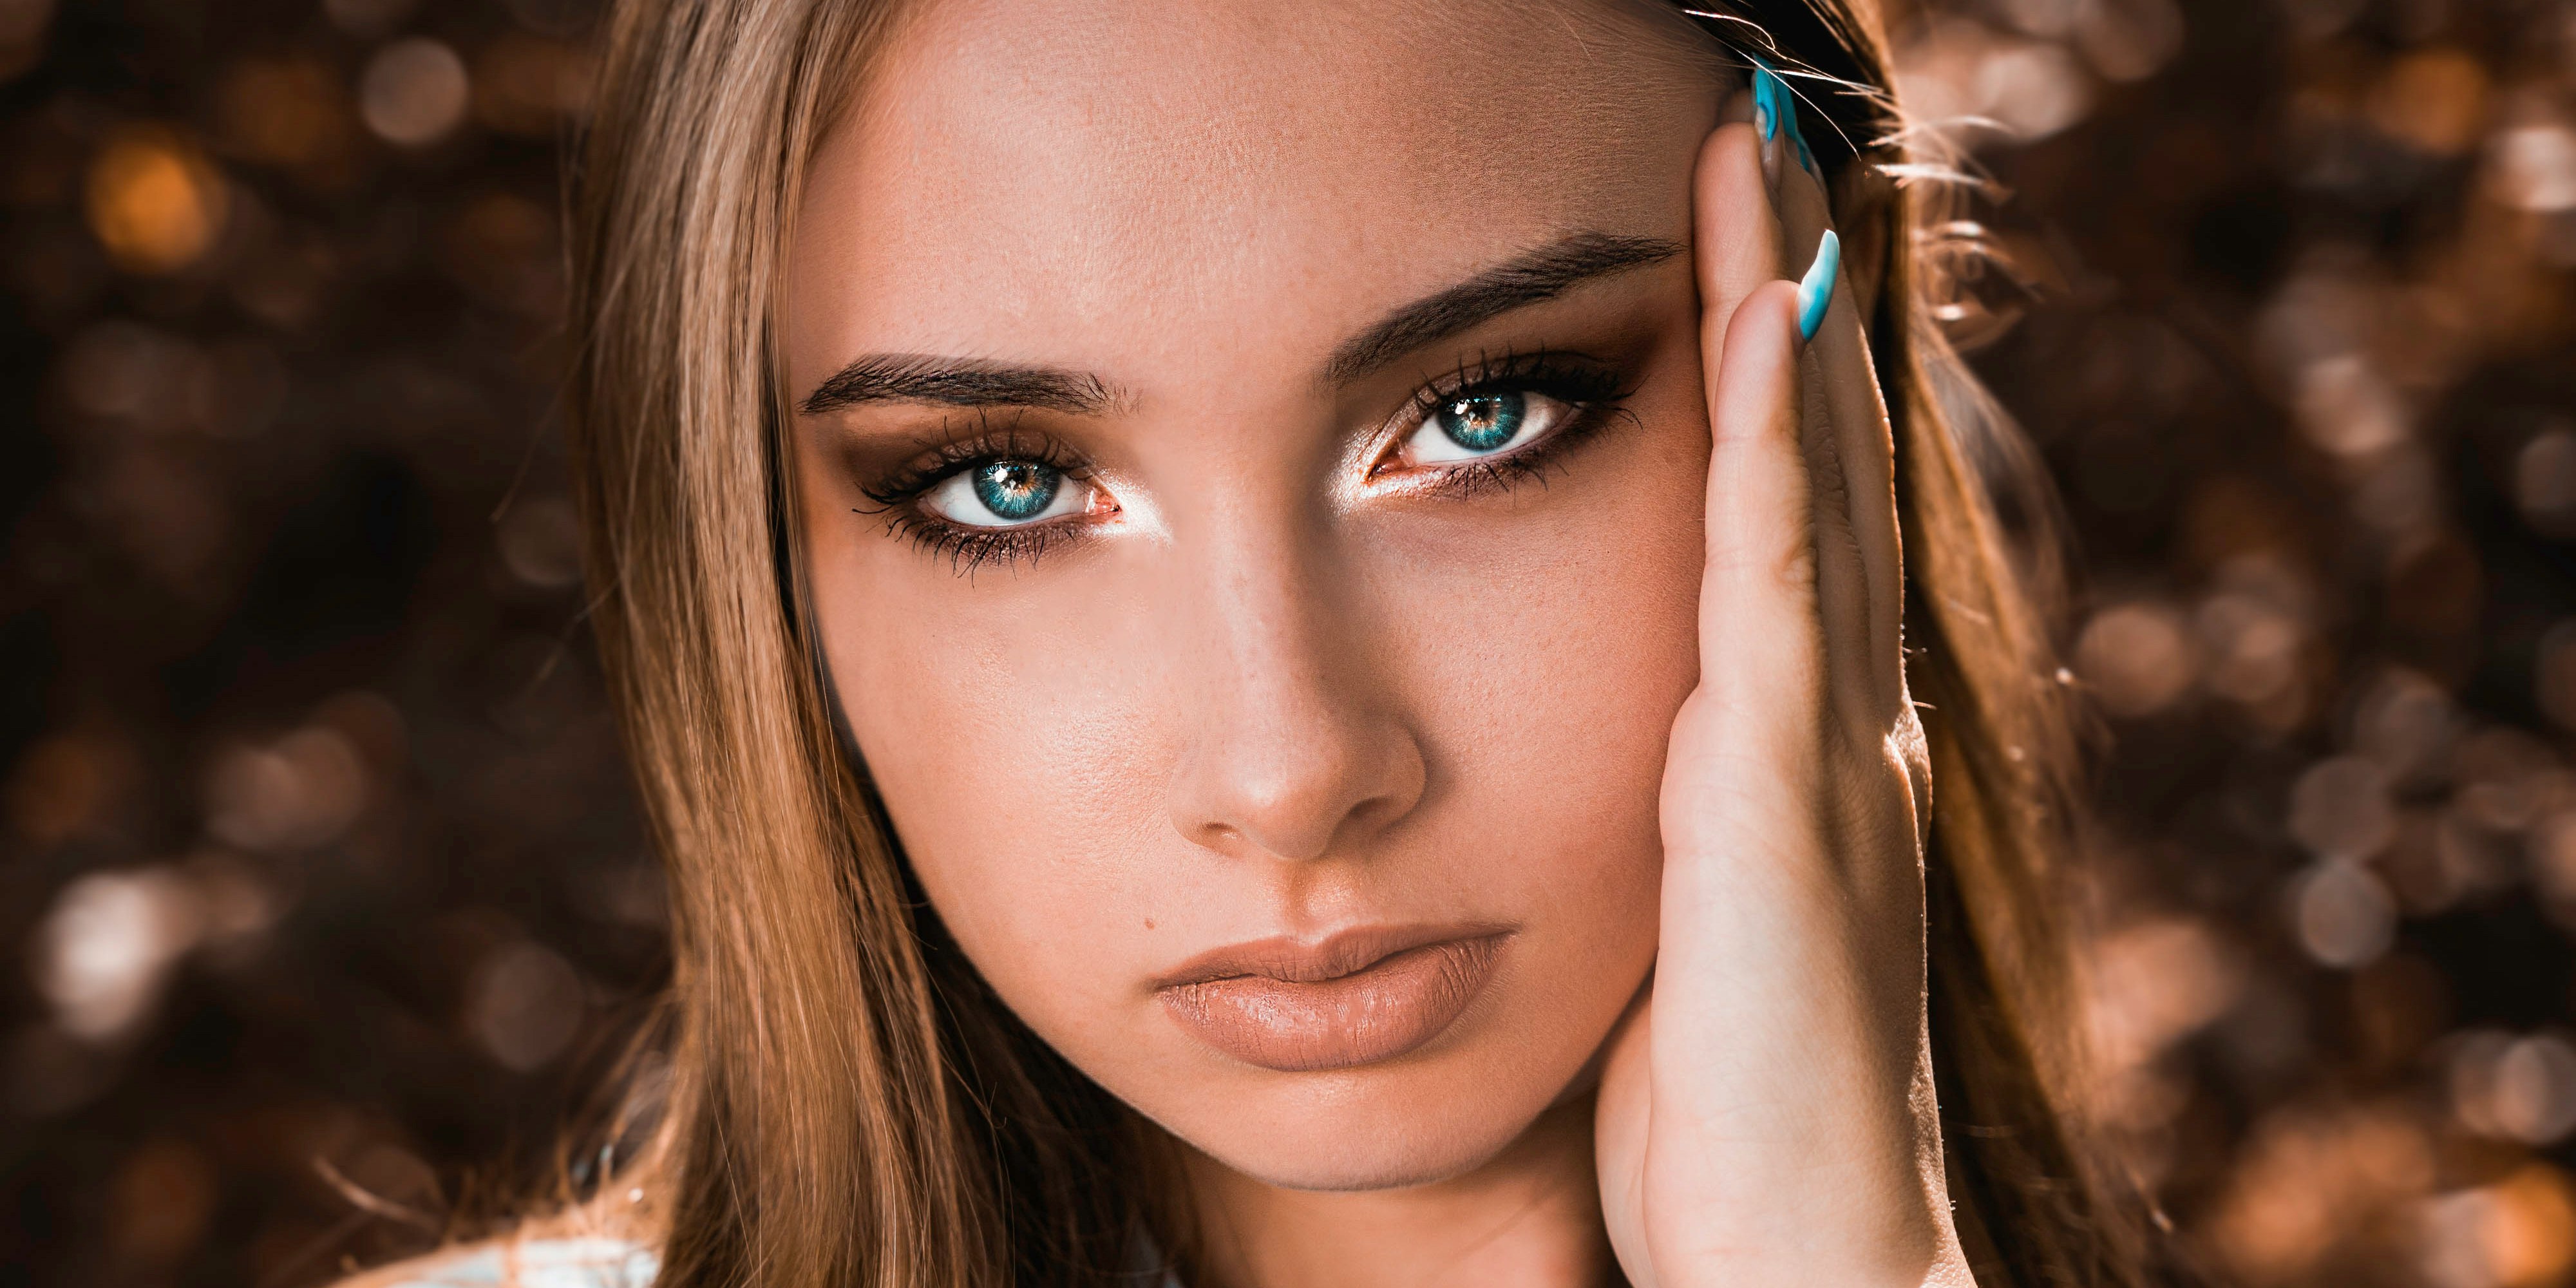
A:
[1548,665]
[1018,711]
[1007,727]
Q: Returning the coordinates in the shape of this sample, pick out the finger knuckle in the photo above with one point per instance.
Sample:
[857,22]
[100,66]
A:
[1793,572]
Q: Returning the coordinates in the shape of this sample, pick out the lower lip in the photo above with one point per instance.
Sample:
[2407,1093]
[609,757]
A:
[1396,1004]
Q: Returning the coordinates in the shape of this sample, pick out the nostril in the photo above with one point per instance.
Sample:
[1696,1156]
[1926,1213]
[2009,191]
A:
[1334,801]
[1293,756]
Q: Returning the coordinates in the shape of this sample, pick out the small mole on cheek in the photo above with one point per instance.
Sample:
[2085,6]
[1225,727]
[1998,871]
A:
[1149,923]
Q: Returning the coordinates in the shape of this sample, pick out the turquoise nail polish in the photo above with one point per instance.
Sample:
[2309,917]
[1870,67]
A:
[1816,289]
[1768,97]
[1773,105]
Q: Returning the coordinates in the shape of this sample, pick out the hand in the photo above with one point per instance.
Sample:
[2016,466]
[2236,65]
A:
[1766,1114]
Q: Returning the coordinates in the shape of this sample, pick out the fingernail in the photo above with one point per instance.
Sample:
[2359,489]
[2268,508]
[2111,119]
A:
[1816,289]
[1773,106]
[1769,95]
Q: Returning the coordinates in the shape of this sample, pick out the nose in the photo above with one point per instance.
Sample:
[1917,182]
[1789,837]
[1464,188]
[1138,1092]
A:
[1299,748]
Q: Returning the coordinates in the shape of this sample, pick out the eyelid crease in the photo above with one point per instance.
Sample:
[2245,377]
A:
[943,459]
[1538,367]
[1535,276]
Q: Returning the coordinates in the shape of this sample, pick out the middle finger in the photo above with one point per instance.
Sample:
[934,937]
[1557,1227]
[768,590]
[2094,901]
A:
[1850,442]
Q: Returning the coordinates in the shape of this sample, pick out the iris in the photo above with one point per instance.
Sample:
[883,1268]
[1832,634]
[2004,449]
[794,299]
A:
[1016,491]
[1483,422]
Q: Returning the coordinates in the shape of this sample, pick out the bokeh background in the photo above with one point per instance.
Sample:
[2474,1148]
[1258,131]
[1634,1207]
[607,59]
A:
[322,899]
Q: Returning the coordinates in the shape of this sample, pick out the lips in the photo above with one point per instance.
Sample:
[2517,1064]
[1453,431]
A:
[1355,998]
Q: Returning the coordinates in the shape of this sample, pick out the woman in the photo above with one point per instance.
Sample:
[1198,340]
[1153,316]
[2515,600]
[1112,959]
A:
[1264,641]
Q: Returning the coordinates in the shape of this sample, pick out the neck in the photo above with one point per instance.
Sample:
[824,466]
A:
[1530,1218]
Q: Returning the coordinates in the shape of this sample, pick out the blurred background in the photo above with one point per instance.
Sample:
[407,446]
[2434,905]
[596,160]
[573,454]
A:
[322,900]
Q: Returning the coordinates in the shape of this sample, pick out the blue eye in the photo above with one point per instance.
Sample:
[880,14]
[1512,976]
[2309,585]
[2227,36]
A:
[1006,494]
[1481,424]
[1484,422]
[1015,490]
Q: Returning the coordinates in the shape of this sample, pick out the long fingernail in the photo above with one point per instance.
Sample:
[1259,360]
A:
[1768,96]
[1773,107]
[1816,289]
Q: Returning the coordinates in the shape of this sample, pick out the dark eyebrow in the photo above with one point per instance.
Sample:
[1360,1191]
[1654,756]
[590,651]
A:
[955,382]
[1541,274]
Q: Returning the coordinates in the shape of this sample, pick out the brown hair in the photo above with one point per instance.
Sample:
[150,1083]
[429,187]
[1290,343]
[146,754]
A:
[848,1103]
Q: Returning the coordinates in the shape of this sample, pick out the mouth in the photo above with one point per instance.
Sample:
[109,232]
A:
[1354,998]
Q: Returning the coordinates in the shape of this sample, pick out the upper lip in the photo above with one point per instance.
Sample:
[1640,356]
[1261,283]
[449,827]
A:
[1292,960]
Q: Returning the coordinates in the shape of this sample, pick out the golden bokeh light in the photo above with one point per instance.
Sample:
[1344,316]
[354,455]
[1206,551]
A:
[155,202]
[2434,100]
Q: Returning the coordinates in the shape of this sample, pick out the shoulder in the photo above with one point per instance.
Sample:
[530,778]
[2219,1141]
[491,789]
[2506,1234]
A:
[582,1261]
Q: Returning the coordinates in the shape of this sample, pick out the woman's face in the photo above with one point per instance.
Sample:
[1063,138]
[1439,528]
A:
[1251,458]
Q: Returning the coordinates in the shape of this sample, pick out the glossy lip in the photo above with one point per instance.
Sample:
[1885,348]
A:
[1355,997]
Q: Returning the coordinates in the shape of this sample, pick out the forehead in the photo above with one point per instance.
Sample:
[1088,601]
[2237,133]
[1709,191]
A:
[1069,163]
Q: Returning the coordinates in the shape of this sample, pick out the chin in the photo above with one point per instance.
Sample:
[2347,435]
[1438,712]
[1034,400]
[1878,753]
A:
[1405,1122]
[1346,1156]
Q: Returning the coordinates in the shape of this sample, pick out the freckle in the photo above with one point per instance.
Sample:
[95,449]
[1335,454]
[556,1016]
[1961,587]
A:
[1149,923]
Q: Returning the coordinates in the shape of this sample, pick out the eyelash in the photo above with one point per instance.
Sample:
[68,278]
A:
[898,495]
[1591,390]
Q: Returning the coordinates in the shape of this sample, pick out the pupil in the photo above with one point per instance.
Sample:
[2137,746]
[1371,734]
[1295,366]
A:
[1016,490]
[1484,422]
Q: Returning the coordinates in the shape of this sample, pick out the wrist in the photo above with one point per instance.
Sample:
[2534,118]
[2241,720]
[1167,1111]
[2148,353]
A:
[1821,1260]
[1864,1203]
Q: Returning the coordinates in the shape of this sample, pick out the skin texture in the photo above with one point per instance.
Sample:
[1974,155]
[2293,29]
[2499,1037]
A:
[1273,680]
